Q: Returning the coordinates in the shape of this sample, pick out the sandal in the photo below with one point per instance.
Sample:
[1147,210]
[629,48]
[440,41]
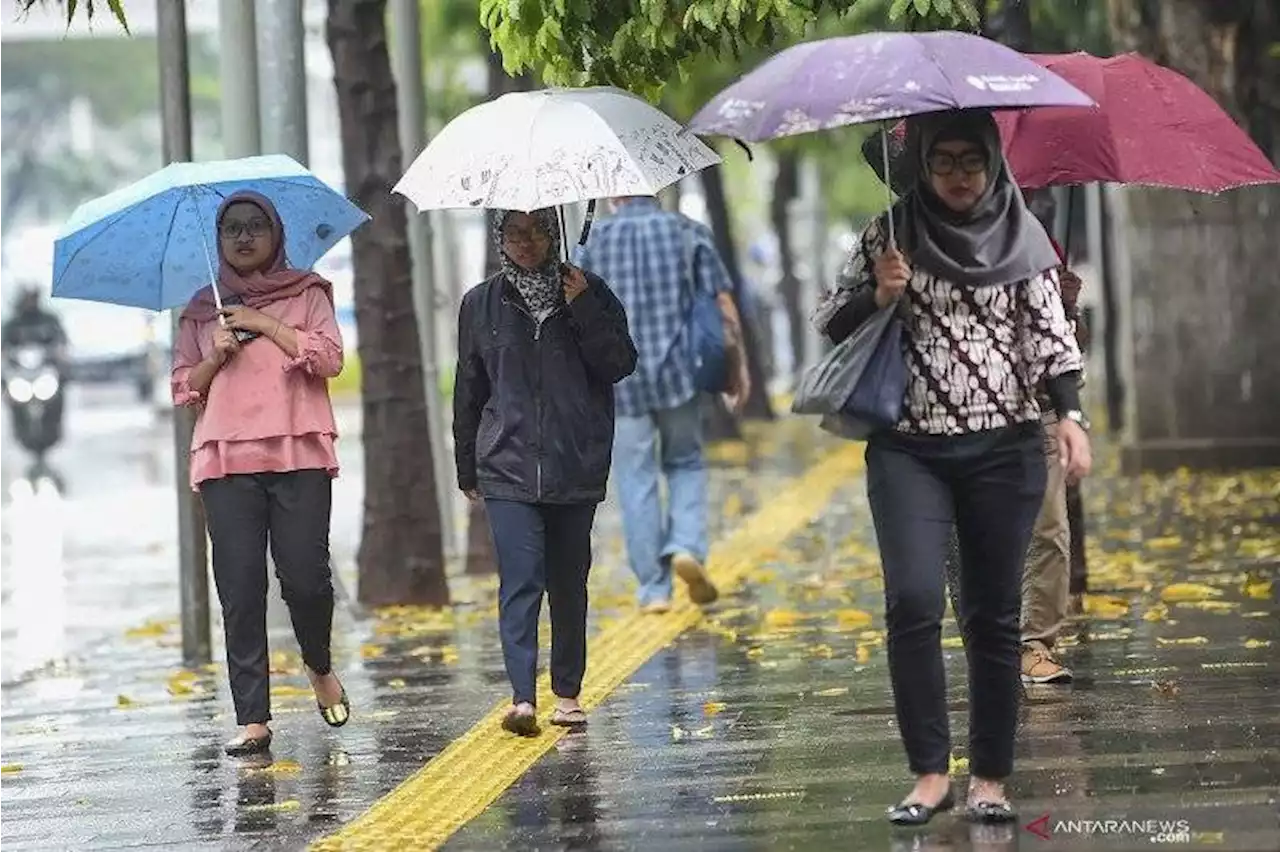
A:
[991,813]
[521,724]
[575,718]
[243,746]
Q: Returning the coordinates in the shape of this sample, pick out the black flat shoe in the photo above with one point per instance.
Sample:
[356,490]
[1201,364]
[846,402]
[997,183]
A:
[336,716]
[243,746]
[918,814]
[991,813]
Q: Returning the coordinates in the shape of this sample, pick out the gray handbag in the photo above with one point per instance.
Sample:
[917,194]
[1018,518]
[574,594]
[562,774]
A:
[826,387]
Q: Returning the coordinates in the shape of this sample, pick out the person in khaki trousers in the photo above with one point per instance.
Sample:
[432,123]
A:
[1046,578]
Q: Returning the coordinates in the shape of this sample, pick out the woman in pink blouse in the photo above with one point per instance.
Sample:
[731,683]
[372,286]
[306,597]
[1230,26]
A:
[262,456]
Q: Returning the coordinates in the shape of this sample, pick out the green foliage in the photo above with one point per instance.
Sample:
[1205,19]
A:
[91,8]
[644,45]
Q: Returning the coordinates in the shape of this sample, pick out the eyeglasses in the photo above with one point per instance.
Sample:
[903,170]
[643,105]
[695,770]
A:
[254,228]
[944,163]
[525,235]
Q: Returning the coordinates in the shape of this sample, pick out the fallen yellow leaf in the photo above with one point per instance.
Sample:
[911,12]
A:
[1169,542]
[1183,640]
[833,692]
[1259,590]
[862,654]
[711,708]
[287,690]
[1178,592]
[396,683]
[953,642]
[775,618]
[1159,612]
[1106,607]
[958,764]
[1257,643]
[825,652]
[150,629]
[852,619]
[125,701]
[286,805]
[372,652]
[704,733]
[10,768]
[755,653]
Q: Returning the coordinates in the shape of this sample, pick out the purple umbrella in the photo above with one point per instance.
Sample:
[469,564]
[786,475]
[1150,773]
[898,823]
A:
[819,85]
[835,82]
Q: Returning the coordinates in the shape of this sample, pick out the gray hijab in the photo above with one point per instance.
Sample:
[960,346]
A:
[999,241]
[543,288]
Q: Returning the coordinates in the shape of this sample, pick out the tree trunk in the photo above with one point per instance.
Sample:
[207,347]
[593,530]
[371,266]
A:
[758,407]
[400,558]
[786,185]
[1202,302]
[481,558]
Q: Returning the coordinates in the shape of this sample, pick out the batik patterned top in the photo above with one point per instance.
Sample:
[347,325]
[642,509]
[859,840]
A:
[974,354]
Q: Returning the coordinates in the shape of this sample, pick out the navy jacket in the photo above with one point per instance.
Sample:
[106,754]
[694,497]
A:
[533,403]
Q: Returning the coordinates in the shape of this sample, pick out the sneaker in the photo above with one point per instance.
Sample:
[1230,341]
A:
[701,590]
[1040,666]
[656,607]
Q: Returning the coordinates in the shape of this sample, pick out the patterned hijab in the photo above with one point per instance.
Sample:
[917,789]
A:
[543,288]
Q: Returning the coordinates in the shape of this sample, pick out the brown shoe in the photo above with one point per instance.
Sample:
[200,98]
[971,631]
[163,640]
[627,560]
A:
[701,590]
[1040,666]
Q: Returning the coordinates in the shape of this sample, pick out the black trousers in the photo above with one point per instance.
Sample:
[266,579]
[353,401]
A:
[290,511]
[542,548]
[990,486]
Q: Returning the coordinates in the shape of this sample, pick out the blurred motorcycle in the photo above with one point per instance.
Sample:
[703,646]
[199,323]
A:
[33,392]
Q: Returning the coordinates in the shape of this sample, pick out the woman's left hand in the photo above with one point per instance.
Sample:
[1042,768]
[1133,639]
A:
[1074,451]
[575,283]
[245,318]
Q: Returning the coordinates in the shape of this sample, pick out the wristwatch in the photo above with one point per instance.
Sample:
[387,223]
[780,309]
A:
[1076,415]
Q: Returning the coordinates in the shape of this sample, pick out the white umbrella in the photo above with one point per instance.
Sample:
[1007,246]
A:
[529,150]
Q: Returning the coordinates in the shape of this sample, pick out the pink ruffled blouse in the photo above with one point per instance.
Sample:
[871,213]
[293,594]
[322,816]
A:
[265,412]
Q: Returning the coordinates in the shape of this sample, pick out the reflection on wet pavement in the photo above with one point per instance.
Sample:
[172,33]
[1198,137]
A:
[791,742]
[769,727]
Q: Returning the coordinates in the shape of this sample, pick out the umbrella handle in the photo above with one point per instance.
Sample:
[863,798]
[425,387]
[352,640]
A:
[888,190]
[213,277]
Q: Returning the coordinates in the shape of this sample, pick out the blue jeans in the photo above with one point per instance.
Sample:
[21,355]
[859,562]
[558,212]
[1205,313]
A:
[668,443]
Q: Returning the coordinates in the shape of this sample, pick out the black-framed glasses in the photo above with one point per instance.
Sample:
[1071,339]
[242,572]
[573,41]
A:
[525,236]
[944,163]
[254,228]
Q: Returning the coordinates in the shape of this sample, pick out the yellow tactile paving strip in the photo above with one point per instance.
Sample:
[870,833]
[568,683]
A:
[464,779]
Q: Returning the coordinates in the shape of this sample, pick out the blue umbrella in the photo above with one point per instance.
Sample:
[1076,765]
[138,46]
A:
[152,244]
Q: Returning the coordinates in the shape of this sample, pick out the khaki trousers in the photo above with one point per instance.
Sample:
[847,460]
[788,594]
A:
[1047,575]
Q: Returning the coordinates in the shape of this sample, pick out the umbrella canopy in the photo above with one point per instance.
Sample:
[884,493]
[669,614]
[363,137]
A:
[529,150]
[152,244]
[1152,127]
[877,76]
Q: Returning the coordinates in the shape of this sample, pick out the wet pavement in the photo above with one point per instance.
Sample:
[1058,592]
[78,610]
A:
[767,726]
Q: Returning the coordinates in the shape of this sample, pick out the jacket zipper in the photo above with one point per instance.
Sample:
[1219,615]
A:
[537,335]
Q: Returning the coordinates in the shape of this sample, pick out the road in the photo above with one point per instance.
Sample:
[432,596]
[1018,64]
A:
[105,537]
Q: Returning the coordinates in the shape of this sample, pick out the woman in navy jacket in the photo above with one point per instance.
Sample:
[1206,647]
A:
[541,345]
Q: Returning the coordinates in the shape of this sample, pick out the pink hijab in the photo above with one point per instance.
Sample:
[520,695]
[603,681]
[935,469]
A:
[275,281]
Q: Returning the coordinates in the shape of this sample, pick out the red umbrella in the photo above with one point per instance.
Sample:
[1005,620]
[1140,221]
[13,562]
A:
[1152,127]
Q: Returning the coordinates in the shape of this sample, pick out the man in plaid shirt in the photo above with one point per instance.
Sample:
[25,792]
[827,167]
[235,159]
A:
[655,261]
